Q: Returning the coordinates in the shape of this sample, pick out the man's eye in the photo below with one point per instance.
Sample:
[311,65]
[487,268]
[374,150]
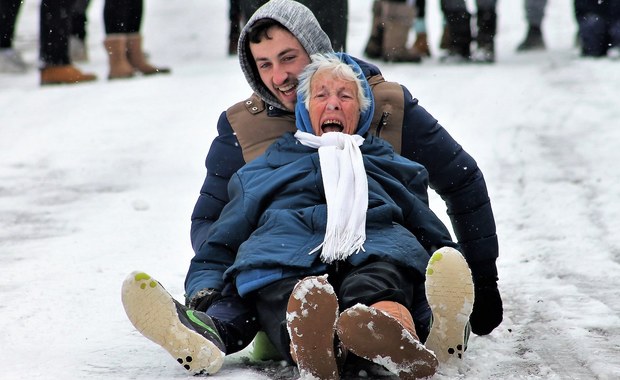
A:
[264,66]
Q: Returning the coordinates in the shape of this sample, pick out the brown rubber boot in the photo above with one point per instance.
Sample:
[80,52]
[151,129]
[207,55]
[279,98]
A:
[311,321]
[420,46]
[384,334]
[136,57]
[397,21]
[66,74]
[116,47]
[444,43]
[374,47]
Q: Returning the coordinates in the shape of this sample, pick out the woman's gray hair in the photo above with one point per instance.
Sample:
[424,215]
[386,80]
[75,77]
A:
[339,69]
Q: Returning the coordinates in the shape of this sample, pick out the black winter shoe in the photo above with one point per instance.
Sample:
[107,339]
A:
[533,40]
[188,335]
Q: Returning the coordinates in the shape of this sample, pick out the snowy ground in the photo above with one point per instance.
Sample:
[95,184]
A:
[98,180]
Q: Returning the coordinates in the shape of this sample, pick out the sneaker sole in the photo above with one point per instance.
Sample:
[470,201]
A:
[311,316]
[378,337]
[152,311]
[450,294]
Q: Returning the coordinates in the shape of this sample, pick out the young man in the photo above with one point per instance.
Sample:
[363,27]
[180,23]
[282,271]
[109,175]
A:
[274,47]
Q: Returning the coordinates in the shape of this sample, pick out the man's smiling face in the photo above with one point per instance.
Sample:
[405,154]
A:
[280,58]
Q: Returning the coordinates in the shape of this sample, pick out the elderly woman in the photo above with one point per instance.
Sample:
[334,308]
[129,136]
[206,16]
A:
[326,201]
[327,220]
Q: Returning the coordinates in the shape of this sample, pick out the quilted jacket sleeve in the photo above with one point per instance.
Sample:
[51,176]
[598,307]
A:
[456,177]
[223,160]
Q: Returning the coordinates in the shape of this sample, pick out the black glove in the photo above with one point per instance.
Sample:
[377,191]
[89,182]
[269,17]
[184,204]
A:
[488,310]
[203,299]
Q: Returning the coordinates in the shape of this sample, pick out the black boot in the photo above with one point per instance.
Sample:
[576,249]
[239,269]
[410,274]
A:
[459,37]
[533,40]
[487,27]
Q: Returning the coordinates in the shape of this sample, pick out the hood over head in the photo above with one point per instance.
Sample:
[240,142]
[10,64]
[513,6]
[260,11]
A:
[302,117]
[300,21]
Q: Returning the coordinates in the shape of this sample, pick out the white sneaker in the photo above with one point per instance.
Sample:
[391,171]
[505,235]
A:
[188,335]
[450,294]
[11,61]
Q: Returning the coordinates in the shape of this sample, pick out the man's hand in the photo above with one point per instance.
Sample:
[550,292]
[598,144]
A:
[488,310]
[203,299]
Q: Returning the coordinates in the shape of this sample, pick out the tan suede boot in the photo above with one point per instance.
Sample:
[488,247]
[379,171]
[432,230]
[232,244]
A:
[420,46]
[374,47]
[384,333]
[311,322]
[397,21]
[138,60]
[66,74]
[116,47]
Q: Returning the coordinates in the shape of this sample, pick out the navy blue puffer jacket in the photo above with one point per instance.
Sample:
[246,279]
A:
[277,215]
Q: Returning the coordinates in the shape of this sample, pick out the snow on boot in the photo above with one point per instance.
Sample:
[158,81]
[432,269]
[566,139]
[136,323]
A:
[311,316]
[450,294]
[386,338]
[188,335]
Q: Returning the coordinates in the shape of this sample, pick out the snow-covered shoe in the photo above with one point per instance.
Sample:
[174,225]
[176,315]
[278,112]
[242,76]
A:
[377,336]
[450,294]
[188,335]
[311,316]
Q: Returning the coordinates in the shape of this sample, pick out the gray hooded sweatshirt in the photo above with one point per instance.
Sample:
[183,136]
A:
[300,21]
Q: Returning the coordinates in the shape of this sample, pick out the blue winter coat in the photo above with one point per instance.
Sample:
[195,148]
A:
[277,215]
[453,174]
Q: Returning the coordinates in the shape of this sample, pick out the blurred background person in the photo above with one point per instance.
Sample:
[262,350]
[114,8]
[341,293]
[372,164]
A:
[11,60]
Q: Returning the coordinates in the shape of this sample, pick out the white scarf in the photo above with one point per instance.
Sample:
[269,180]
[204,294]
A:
[346,192]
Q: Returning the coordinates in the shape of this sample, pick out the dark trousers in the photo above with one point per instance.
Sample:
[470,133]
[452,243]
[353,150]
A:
[235,319]
[122,16]
[8,17]
[54,31]
[79,18]
[367,284]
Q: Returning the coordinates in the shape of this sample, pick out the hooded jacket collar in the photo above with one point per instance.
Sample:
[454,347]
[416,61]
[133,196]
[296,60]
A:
[302,117]
[300,21]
